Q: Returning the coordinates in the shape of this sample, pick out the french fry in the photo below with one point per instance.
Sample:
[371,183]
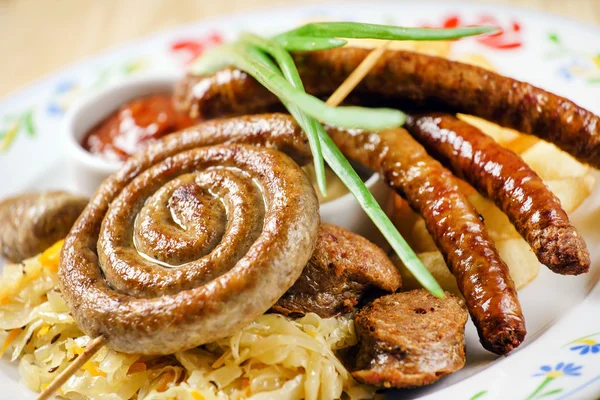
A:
[520,259]
[551,163]
[522,143]
[423,242]
[572,192]
[506,137]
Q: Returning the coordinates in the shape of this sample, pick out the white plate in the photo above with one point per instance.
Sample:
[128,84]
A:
[561,356]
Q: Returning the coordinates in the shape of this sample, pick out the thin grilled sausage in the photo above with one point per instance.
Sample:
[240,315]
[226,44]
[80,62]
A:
[432,191]
[504,177]
[420,79]
[188,242]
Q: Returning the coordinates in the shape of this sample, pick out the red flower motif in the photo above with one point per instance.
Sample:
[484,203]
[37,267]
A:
[192,48]
[509,36]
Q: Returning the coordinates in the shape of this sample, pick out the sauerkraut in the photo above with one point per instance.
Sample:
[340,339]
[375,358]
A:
[274,357]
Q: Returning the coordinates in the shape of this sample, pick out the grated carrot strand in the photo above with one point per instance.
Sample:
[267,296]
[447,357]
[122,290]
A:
[13,334]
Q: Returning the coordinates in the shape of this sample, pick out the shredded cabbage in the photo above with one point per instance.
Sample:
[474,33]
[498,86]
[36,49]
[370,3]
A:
[274,357]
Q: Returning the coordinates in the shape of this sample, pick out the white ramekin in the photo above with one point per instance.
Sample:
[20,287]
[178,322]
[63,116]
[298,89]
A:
[88,171]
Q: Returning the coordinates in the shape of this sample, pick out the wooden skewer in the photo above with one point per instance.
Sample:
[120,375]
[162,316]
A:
[357,75]
[334,100]
[91,349]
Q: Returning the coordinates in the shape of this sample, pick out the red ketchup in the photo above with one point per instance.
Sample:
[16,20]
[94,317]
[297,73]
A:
[134,125]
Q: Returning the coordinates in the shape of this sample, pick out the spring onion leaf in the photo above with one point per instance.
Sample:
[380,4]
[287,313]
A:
[279,75]
[214,60]
[358,30]
[373,119]
[343,169]
[306,43]
[288,69]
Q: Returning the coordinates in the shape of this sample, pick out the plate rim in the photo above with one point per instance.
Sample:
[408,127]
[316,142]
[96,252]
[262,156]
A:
[38,84]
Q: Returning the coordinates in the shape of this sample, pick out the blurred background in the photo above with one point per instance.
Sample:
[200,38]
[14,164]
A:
[41,36]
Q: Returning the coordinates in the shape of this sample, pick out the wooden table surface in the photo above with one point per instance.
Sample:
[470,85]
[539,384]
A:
[41,36]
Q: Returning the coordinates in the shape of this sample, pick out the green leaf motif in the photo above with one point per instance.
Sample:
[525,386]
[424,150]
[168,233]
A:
[550,393]
[594,80]
[554,38]
[479,395]
[545,382]
[101,79]
[9,137]
[28,123]
[133,66]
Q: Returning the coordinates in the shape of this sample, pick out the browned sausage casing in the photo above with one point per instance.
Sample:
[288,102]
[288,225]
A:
[432,191]
[186,243]
[423,80]
[32,222]
[504,177]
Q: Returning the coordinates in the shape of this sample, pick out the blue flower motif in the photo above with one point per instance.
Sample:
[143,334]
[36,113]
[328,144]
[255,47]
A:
[565,73]
[586,346]
[64,94]
[64,86]
[54,109]
[561,369]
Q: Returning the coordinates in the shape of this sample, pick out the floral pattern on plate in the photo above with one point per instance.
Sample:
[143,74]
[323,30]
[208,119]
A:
[554,365]
[575,64]
[69,90]
[14,125]
[508,38]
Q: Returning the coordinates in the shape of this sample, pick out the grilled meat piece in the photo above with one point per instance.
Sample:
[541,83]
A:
[409,339]
[343,269]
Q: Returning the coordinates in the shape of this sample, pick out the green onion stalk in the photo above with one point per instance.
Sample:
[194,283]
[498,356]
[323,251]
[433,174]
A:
[269,62]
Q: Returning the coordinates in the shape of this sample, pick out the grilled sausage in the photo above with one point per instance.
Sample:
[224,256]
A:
[135,317]
[343,270]
[188,243]
[421,80]
[432,191]
[32,222]
[504,177]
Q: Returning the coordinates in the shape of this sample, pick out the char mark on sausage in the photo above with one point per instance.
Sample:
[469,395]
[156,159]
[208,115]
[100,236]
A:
[409,339]
[504,177]
[419,79]
[344,269]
